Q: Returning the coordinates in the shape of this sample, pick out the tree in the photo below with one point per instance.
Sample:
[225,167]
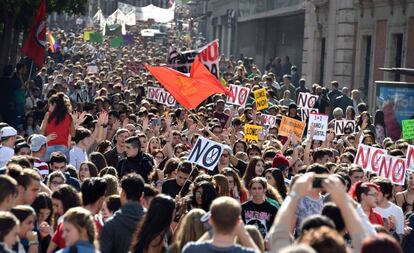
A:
[16,17]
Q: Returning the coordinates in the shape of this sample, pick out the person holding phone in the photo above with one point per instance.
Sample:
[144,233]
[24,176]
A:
[312,203]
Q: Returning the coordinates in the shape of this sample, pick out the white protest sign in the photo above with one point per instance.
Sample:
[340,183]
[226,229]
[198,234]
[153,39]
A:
[369,158]
[206,153]
[410,158]
[167,99]
[341,125]
[92,69]
[269,120]
[153,93]
[209,56]
[391,167]
[306,100]
[239,95]
[320,121]
[161,96]
[306,111]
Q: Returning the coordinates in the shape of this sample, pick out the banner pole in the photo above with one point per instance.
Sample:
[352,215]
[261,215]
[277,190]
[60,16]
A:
[30,72]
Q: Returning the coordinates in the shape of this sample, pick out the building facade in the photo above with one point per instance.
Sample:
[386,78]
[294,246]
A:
[343,40]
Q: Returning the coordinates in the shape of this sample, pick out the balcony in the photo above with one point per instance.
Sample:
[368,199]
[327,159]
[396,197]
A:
[252,9]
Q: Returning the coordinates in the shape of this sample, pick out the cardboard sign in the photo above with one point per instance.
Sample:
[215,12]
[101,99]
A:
[391,167]
[320,121]
[409,165]
[341,125]
[239,95]
[306,111]
[161,96]
[92,69]
[209,56]
[306,100]
[408,129]
[269,120]
[206,153]
[251,132]
[261,99]
[289,125]
[369,157]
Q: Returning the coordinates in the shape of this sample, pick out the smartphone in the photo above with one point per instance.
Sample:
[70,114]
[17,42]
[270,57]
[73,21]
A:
[318,179]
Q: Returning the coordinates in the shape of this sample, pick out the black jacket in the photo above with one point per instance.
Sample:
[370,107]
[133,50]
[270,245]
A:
[141,164]
[117,232]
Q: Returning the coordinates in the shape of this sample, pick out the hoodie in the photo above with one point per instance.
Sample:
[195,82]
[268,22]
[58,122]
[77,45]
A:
[117,232]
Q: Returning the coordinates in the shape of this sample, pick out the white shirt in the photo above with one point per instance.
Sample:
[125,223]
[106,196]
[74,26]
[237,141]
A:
[6,154]
[395,211]
[77,156]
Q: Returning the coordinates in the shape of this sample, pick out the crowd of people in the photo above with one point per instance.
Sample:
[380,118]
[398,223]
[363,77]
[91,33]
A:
[90,164]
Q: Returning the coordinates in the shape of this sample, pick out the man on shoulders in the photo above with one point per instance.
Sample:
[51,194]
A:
[227,225]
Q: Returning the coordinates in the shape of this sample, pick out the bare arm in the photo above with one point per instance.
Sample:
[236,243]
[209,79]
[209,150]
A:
[360,132]
[280,232]
[44,124]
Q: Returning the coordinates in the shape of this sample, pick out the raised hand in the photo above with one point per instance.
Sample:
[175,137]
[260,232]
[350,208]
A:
[51,137]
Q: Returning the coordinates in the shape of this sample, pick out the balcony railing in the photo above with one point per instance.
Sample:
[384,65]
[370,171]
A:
[253,7]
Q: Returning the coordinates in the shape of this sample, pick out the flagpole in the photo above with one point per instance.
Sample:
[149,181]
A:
[30,72]
[199,121]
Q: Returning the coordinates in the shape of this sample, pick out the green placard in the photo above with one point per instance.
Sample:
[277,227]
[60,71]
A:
[96,37]
[408,129]
[116,42]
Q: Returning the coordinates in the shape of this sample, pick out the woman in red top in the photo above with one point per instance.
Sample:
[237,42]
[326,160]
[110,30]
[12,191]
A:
[58,125]
[366,194]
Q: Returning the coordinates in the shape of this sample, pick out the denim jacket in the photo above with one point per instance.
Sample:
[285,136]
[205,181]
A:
[80,247]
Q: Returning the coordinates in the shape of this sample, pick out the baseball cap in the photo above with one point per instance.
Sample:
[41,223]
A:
[280,161]
[37,141]
[7,132]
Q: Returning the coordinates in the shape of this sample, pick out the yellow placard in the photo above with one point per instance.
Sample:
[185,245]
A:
[86,36]
[261,99]
[251,132]
[289,125]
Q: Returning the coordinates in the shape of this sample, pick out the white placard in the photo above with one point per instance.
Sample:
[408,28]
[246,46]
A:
[341,125]
[239,95]
[306,100]
[320,121]
[206,153]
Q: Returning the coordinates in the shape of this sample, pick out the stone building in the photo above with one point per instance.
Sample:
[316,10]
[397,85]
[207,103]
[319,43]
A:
[343,40]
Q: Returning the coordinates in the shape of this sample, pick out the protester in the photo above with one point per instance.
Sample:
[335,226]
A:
[226,223]
[97,127]
[117,232]
[79,229]
[9,231]
[151,235]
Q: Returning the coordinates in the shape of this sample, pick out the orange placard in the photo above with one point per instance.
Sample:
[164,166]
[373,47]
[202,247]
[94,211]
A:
[289,125]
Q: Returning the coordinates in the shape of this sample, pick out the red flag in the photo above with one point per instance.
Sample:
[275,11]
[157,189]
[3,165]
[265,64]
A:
[191,90]
[35,44]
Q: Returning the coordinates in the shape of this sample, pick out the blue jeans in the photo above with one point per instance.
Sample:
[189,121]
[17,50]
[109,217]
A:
[56,148]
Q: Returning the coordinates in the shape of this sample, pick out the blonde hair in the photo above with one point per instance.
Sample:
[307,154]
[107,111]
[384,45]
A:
[81,218]
[191,229]
[256,236]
